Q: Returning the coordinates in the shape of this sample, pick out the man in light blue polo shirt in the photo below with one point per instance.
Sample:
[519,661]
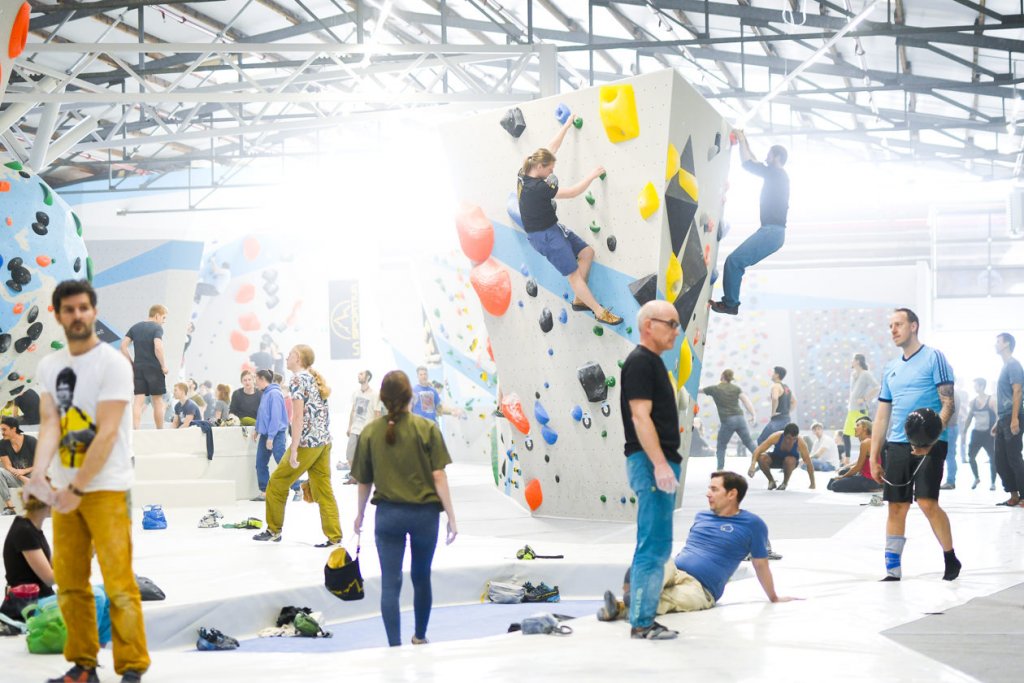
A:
[1007,432]
[920,378]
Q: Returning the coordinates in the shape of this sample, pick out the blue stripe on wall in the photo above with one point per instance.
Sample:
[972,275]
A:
[174,255]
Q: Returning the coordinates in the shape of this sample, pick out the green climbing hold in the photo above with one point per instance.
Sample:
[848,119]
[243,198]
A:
[621,364]
[609,382]
[594,227]
[604,433]
[598,330]
[629,330]
[604,498]
[603,175]
[632,499]
[578,122]
[78,223]
[590,199]
[56,345]
[88,268]
[14,165]
[437,312]
[47,195]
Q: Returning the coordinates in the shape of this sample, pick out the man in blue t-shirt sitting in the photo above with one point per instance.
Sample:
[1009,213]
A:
[719,540]
[185,409]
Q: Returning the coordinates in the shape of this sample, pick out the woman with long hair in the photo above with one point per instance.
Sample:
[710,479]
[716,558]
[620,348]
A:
[310,450]
[863,388]
[402,457]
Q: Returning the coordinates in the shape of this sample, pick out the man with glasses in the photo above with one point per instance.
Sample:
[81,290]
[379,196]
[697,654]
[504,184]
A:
[650,420]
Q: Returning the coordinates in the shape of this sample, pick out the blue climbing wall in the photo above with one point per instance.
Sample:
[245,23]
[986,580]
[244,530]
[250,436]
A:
[560,446]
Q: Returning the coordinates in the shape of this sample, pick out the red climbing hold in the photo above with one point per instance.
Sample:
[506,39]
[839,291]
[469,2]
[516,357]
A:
[239,342]
[245,293]
[512,408]
[490,351]
[19,31]
[250,248]
[492,285]
[249,322]
[534,495]
[476,234]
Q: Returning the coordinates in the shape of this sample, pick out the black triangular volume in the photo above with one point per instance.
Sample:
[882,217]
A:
[645,289]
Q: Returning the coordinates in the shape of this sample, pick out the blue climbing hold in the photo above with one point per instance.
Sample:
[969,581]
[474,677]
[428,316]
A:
[562,113]
[714,275]
[551,352]
[524,270]
[512,207]
[563,317]
[549,434]
[577,413]
[546,385]
[540,413]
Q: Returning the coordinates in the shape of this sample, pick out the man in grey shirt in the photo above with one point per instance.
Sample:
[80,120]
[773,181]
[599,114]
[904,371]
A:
[148,365]
[727,397]
[1009,463]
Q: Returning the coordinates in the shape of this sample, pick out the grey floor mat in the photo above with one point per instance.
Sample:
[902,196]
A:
[981,638]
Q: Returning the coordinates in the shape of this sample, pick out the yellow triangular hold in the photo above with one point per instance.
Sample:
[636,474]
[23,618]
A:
[688,182]
[685,364]
[673,278]
[648,201]
[672,164]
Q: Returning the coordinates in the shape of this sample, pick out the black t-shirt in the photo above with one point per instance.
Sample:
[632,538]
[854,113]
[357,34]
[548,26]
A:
[536,202]
[24,536]
[644,377]
[245,405]
[774,192]
[143,335]
[24,458]
[28,404]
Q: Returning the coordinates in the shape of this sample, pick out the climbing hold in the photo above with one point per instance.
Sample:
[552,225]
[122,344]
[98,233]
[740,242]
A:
[513,411]
[493,285]
[546,385]
[620,363]
[239,342]
[549,434]
[250,248]
[512,208]
[611,242]
[245,293]
[590,198]
[672,163]
[606,408]
[551,352]
[56,345]
[732,137]
[547,458]
[603,175]
[540,413]
[645,289]
[707,253]
[533,494]
[723,230]
[715,147]
[648,201]
[520,303]
[476,233]
[43,261]
[592,379]
[685,363]
[618,112]
[598,331]
[629,330]
[604,433]
[673,278]
[610,382]
[577,413]
[578,122]
[513,122]
[528,442]
[524,271]
[594,227]
[563,316]
[604,498]
[19,31]
[714,275]
[558,479]
[586,421]
[531,287]
[622,500]
[249,322]
[562,113]
[546,323]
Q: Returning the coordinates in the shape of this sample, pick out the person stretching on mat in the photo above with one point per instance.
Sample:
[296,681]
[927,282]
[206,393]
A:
[786,447]
[536,190]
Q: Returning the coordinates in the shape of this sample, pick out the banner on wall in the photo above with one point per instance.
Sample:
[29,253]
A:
[343,296]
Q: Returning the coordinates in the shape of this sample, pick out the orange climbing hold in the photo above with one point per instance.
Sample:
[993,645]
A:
[493,286]
[250,248]
[245,293]
[490,351]
[476,233]
[43,261]
[512,408]
[19,309]
[239,342]
[249,322]
[19,31]
[5,187]
[9,221]
[534,495]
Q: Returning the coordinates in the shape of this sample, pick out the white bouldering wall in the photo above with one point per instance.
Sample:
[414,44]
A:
[653,222]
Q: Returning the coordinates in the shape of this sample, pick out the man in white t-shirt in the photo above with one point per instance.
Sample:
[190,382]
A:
[824,450]
[365,407]
[85,390]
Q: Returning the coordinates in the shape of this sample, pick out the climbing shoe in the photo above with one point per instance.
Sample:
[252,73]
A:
[612,608]
[608,318]
[578,305]
[722,307]
[653,632]
[267,535]
[77,674]
[212,639]
[540,593]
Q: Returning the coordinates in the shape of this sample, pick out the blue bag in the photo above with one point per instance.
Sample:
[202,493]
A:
[153,517]
[102,611]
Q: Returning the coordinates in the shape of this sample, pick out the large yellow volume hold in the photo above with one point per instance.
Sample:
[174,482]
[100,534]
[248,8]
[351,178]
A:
[618,112]
[672,163]
[648,201]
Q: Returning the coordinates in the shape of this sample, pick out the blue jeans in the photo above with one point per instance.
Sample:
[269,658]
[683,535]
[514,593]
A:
[776,424]
[263,458]
[767,240]
[734,424]
[954,438]
[653,539]
[395,521]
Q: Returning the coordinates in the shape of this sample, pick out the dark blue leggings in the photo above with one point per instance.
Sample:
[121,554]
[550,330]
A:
[394,522]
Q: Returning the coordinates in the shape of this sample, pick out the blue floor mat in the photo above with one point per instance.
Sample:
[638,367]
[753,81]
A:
[460,622]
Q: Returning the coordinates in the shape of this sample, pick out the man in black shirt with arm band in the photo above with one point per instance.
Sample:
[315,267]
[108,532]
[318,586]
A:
[770,237]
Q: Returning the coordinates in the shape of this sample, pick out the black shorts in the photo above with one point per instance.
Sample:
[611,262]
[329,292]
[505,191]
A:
[779,459]
[149,381]
[900,466]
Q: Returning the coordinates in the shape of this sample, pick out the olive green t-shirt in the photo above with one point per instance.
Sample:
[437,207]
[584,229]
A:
[402,472]
[726,397]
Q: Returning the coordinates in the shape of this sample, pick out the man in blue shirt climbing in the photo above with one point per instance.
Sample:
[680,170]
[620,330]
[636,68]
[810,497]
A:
[720,538]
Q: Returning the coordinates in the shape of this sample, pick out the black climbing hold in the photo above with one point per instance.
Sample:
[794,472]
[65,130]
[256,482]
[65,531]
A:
[606,409]
[557,479]
[40,229]
[21,346]
[547,458]
[645,289]
[33,313]
[611,242]
[42,218]
[13,377]
[17,390]
[592,377]
[270,289]
[531,287]
[78,264]
[14,262]
[546,321]
[528,443]
[24,174]
[14,286]
[34,331]
[5,342]
[513,122]
[587,420]
[537,396]
[21,275]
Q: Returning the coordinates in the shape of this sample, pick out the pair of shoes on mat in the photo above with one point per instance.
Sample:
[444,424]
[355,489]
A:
[268,535]
[653,632]
[79,674]
[210,519]
[212,639]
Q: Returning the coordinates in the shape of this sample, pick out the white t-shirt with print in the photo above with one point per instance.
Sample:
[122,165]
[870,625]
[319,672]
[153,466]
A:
[831,452]
[364,405]
[77,385]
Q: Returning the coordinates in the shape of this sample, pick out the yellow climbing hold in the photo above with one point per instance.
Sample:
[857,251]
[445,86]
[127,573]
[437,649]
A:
[688,182]
[618,112]
[648,201]
[672,164]
[685,363]
[673,278]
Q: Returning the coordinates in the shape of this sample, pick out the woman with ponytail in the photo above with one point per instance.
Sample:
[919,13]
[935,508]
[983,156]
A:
[537,189]
[310,450]
[402,457]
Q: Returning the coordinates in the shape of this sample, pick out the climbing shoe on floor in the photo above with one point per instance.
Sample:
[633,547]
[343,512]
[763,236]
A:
[77,674]
[212,639]
[540,593]
[653,632]
[267,535]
